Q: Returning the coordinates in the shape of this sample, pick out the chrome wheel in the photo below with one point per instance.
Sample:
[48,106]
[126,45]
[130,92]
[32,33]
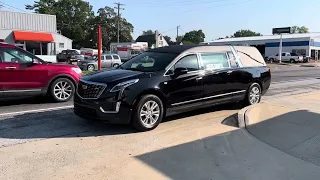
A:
[62,90]
[149,113]
[254,96]
[90,68]
[115,65]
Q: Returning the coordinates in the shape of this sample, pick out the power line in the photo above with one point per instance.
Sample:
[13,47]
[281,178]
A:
[11,6]
[118,21]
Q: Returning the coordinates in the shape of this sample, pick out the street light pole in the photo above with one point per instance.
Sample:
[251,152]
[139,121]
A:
[118,19]
[280,48]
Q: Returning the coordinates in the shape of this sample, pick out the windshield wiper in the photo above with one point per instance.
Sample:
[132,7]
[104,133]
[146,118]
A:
[132,69]
[250,57]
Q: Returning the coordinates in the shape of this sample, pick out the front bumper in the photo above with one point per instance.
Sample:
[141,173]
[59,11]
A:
[106,110]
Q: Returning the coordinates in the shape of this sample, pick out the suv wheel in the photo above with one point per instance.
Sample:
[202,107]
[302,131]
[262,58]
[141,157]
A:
[115,65]
[253,95]
[148,113]
[90,67]
[62,90]
[292,61]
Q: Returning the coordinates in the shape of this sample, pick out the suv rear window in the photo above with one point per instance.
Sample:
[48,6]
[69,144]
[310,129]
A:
[115,57]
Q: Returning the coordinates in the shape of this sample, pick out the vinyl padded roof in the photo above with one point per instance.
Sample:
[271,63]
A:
[177,49]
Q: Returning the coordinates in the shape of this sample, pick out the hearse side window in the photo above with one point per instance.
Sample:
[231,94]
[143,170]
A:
[190,62]
[215,61]
[232,59]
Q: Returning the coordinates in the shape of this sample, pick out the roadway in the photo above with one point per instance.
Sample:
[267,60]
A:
[280,74]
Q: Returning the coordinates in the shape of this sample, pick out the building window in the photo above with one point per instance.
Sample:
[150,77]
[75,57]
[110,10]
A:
[301,52]
[61,45]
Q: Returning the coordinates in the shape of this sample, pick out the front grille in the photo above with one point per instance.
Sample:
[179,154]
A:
[88,90]
[85,111]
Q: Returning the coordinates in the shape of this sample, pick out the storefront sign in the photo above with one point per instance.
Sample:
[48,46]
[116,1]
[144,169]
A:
[281,30]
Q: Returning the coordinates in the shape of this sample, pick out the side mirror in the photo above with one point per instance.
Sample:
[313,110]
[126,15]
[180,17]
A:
[180,71]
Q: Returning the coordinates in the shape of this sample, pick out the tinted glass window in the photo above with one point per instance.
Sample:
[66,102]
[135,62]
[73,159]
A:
[115,57]
[190,62]
[214,61]
[283,54]
[102,57]
[149,61]
[108,57]
[232,59]
[15,55]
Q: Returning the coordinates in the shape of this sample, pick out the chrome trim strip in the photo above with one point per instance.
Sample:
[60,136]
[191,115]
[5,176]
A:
[94,83]
[209,97]
[22,90]
[236,56]
[111,112]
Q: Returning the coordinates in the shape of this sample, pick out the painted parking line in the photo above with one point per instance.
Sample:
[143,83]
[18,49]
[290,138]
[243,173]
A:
[36,110]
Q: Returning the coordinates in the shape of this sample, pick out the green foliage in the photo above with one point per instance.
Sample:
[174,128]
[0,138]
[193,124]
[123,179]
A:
[194,37]
[76,20]
[148,32]
[245,33]
[297,29]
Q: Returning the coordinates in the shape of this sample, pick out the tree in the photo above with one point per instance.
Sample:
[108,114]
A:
[76,20]
[168,39]
[194,37]
[72,17]
[245,33]
[148,32]
[179,39]
[297,29]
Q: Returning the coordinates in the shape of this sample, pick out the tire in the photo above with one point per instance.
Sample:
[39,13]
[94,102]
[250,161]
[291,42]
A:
[90,67]
[145,102]
[254,90]
[56,87]
[115,65]
[292,61]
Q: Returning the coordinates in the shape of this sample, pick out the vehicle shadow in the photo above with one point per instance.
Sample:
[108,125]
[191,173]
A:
[236,155]
[63,123]
[25,100]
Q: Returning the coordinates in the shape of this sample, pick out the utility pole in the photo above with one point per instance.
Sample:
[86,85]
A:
[177,34]
[118,19]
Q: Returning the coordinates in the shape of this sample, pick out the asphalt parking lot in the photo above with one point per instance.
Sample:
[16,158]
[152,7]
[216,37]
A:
[46,140]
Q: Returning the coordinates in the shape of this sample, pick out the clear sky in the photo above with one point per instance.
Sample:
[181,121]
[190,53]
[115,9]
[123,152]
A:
[217,18]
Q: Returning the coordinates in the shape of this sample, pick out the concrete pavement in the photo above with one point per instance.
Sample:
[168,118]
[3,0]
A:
[202,145]
[290,124]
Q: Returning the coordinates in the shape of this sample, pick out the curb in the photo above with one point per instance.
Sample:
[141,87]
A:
[309,66]
[241,117]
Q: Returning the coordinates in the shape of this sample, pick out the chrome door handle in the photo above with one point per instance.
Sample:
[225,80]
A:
[198,79]
[10,67]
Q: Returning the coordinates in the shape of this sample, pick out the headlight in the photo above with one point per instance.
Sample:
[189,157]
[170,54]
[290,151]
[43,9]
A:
[123,85]
[77,70]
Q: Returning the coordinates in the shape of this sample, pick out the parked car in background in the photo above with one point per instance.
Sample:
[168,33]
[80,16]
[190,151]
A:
[23,74]
[287,57]
[169,80]
[107,61]
[69,56]
[88,53]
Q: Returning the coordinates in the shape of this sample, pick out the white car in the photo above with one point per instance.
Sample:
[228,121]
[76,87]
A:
[107,61]
[287,57]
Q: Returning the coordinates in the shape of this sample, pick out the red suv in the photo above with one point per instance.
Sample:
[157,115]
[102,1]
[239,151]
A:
[23,74]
